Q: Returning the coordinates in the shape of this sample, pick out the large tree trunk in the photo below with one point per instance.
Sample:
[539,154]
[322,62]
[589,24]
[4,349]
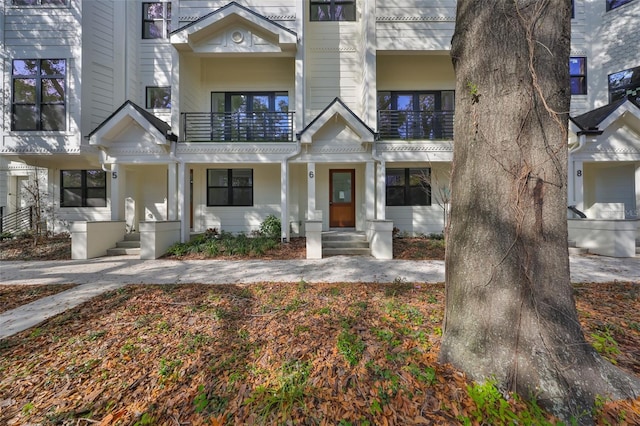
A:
[510,312]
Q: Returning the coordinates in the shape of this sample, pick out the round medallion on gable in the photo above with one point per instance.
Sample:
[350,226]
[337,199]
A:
[237,36]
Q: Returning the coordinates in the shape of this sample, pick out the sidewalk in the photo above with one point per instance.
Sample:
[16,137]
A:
[96,276]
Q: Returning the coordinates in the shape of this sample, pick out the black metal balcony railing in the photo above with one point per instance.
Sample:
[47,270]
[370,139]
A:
[407,125]
[238,126]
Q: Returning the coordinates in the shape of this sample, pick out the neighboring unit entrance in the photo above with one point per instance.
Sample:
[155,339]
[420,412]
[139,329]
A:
[342,205]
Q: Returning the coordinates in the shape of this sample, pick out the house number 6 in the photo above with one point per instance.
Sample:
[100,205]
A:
[311,175]
[114,175]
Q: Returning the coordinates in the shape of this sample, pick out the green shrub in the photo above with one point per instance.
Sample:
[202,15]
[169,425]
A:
[271,227]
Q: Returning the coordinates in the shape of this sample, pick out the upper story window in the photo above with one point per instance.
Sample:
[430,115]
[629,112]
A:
[333,10]
[38,2]
[38,101]
[614,4]
[83,188]
[416,115]
[156,20]
[408,187]
[624,83]
[158,98]
[578,75]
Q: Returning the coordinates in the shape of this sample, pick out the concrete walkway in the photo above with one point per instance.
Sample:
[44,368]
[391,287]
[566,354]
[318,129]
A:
[96,276]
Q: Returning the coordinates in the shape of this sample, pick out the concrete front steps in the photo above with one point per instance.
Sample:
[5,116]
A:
[130,245]
[345,243]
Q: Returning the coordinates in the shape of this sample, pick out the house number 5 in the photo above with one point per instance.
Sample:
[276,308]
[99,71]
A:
[311,175]
[114,175]
[579,173]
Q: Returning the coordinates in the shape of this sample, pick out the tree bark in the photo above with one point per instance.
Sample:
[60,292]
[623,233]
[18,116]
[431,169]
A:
[510,313]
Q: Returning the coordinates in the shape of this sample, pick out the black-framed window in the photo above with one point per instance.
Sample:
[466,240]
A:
[614,4]
[578,75]
[83,188]
[251,116]
[229,187]
[156,20]
[333,10]
[158,97]
[38,101]
[416,114]
[624,83]
[408,187]
[39,2]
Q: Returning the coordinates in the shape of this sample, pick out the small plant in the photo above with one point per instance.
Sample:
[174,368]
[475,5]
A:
[271,227]
[288,393]
[145,419]
[28,408]
[425,375]
[350,346]
[400,285]
[605,344]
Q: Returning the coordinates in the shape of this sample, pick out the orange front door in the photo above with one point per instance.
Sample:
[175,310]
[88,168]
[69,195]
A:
[342,199]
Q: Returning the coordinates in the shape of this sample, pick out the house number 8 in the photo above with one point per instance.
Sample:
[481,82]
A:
[311,175]
[579,173]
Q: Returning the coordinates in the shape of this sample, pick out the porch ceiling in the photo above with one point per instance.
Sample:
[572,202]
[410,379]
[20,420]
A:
[235,29]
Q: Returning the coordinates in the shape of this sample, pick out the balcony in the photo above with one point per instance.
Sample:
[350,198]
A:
[238,126]
[415,125]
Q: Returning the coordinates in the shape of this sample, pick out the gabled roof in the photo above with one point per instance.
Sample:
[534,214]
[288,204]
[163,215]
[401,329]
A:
[597,120]
[338,108]
[144,118]
[217,21]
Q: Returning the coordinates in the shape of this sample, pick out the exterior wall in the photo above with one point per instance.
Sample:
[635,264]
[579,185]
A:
[415,72]
[614,39]
[610,183]
[41,32]
[424,219]
[266,200]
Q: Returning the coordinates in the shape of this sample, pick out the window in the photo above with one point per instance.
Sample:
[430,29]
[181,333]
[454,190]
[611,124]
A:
[158,97]
[38,2]
[333,10]
[408,187]
[156,20]
[573,10]
[416,115]
[38,101]
[624,83]
[83,188]
[251,116]
[229,187]
[578,75]
[614,4]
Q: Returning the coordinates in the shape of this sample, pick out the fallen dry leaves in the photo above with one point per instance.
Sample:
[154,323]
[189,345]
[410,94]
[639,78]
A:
[12,296]
[265,354]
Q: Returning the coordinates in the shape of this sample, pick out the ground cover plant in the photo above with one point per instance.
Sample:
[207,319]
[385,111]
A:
[298,353]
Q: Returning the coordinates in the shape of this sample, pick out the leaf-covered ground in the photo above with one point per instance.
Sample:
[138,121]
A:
[55,247]
[299,353]
[12,296]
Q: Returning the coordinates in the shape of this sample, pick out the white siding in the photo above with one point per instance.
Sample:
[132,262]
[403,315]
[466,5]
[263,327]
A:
[416,25]
[266,200]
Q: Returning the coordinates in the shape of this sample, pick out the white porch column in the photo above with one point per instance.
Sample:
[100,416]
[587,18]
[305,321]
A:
[284,192]
[311,191]
[118,179]
[370,190]
[637,188]
[184,202]
[172,191]
[381,197]
[576,184]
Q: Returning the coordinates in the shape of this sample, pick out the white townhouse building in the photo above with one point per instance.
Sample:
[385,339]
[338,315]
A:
[328,114]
